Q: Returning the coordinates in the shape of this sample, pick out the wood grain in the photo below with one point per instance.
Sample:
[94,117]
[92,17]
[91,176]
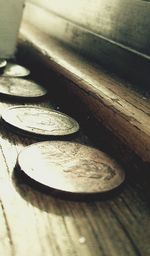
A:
[36,223]
[121,110]
[126,22]
[126,61]
[33,222]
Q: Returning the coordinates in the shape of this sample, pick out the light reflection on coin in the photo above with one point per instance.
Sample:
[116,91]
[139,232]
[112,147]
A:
[15,70]
[21,88]
[70,167]
[3,63]
[40,121]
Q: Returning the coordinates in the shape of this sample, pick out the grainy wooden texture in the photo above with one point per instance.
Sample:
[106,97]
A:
[124,21]
[35,223]
[111,47]
[121,110]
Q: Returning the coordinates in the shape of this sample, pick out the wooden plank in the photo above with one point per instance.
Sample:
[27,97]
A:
[121,110]
[117,57]
[34,223]
[126,22]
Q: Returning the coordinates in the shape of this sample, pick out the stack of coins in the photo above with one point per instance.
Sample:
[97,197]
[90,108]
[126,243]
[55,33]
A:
[62,166]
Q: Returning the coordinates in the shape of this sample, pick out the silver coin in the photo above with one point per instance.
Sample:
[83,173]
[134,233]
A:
[3,63]
[16,87]
[15,70]
[40,121]
[70,167]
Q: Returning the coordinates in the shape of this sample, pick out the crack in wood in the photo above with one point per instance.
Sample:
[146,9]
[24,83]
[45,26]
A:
[8,229]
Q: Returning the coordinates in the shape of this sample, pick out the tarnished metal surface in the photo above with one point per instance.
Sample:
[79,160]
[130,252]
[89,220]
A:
[15,70]
[70,167]
[40,121]
[3,63]
[15,87]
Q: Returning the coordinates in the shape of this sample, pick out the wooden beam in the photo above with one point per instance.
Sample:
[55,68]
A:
[121,110]
[123,21]
[116,55]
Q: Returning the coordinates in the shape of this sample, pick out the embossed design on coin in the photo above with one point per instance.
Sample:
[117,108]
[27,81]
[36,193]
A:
[3,63]
[70,167]
[15,70]
[89,169]
[40,121]
[16,87]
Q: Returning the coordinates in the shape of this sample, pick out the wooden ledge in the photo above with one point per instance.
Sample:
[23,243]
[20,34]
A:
[112,102]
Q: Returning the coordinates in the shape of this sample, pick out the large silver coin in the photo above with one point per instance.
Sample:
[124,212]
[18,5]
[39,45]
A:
[21,88]
[70,167]
[40,121]
[3,63]
[15,70]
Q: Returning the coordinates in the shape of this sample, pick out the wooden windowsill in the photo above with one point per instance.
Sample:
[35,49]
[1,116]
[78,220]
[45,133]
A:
[124,112]
[35,221]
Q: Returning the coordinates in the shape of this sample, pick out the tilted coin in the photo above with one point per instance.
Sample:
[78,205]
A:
[15,70]
[21,88]
[70,167]
[40,121]
[3,63]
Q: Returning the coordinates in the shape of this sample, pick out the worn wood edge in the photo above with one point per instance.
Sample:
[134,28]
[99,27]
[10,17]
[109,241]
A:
[122,111]
[127,62]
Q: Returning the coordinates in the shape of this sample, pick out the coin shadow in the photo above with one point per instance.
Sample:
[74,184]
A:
[13,137]
[17,136]
[22,100]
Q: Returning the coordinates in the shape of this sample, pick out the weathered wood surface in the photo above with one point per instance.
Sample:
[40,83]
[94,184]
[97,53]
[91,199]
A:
[35,223]
[120,109]
[124,21]
[116,54]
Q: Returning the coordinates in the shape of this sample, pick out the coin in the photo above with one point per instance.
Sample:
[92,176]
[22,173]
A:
[70,167]
[15,87]
[40,121]
[15,70]
[3,63]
